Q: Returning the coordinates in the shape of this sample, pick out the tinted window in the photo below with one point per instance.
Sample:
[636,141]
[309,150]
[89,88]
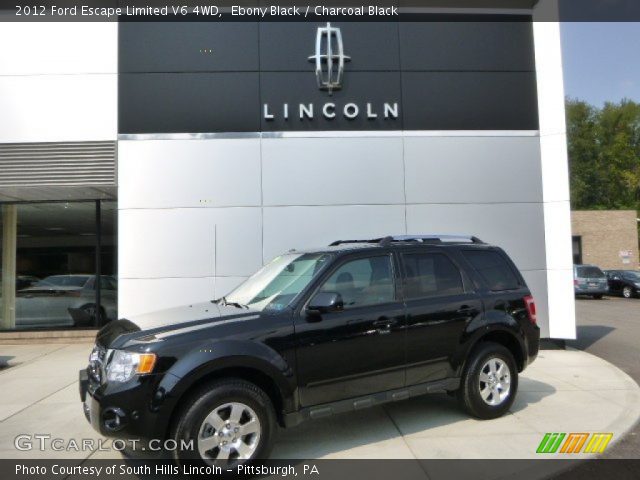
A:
[494,269]
[634,276]
[365,281]
[590,272]
[430,274]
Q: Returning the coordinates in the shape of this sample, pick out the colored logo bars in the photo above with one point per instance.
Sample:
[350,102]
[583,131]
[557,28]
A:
[574,442]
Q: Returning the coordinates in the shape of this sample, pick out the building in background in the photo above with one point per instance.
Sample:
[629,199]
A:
[606,238]
[232,146]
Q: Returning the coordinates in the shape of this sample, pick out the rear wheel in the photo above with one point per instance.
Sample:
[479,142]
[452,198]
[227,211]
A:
[489,382]
[627,292]
[228,422]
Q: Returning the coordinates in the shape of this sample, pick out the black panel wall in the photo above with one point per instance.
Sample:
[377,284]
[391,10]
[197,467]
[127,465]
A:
[218,77]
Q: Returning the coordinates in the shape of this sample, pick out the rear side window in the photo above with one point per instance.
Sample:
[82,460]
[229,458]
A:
[430,274]
[494,269]
[590,272]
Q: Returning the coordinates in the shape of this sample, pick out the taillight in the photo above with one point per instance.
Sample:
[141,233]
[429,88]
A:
[530,304]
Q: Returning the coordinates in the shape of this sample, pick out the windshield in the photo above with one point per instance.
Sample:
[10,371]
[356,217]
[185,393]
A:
[590,272]
[276,285]
[635,276]
[77,281]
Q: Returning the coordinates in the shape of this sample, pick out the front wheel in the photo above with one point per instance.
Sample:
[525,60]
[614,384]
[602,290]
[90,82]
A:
[226,423]
[490,381]
[627,292]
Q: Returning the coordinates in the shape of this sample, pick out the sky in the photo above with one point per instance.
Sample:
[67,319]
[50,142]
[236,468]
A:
[601,61]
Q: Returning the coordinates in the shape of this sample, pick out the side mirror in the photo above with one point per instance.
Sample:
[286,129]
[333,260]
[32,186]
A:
[325,302]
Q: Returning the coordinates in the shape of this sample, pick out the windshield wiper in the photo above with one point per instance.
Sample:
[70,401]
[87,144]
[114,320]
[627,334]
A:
[223,301]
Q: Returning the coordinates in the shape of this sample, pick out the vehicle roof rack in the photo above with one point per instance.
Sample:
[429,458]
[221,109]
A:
[432,239]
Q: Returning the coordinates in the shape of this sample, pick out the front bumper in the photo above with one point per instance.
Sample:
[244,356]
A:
[125,410]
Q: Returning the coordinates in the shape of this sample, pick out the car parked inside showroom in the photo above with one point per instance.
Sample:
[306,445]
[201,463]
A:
[624,282]
[317,333]
[66,300]
[589,280]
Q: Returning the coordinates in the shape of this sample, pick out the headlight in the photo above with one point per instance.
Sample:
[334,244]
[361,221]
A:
[124,365]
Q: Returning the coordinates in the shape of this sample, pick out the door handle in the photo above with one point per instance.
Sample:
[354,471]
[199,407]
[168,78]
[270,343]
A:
[384,323]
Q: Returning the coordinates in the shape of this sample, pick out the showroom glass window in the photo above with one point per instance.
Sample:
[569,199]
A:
[62,263]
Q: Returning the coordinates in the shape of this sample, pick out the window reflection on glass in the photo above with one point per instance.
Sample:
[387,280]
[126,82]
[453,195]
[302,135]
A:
[56,266]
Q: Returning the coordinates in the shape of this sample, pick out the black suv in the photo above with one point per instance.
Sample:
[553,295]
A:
[316,333]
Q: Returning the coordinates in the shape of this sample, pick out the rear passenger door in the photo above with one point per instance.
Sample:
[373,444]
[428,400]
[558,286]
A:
[440,303]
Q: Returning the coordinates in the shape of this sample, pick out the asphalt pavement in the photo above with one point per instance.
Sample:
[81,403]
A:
[610,329]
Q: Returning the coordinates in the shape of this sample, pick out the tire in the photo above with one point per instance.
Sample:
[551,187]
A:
[498,400]
[207,416]
[598,297]
[627,292]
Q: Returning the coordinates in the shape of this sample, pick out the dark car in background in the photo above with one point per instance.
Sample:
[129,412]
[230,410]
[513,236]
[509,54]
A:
[624,282]
[590,280]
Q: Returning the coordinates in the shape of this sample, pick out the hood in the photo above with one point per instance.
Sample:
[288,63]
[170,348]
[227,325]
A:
[150,326]
[176,315]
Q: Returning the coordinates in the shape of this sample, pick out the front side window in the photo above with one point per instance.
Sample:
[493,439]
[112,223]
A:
[276,285]
[430,275]
[362,282]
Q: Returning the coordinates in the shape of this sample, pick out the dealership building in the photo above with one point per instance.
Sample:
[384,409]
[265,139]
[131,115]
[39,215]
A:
[171,160]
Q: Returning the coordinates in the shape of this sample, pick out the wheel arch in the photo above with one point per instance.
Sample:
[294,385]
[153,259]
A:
[502,336]
[262,377]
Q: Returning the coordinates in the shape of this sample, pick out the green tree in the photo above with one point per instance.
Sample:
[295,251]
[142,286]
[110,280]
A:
[604,155]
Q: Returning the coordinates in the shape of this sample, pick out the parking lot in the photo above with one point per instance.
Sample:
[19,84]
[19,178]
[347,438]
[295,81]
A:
[610,329]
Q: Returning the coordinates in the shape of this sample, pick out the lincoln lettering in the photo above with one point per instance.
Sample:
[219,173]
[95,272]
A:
[330,110]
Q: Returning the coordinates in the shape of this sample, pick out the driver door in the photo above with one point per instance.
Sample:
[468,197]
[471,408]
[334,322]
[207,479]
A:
[359,349]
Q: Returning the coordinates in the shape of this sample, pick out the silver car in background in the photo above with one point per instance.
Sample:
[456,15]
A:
[66,300]
[590,280]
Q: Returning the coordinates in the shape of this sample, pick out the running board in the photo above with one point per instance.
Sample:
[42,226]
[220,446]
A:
[359,403]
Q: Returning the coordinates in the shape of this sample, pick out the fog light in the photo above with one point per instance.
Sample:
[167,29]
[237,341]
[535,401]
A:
[114,419]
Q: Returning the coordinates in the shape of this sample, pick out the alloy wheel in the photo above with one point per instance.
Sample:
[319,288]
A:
[626,292]
[229,433]
[495,381]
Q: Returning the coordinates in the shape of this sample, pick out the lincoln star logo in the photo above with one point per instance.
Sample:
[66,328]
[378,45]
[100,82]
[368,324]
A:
[329,58]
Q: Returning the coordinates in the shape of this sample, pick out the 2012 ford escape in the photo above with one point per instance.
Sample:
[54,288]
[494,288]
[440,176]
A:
[317,333]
